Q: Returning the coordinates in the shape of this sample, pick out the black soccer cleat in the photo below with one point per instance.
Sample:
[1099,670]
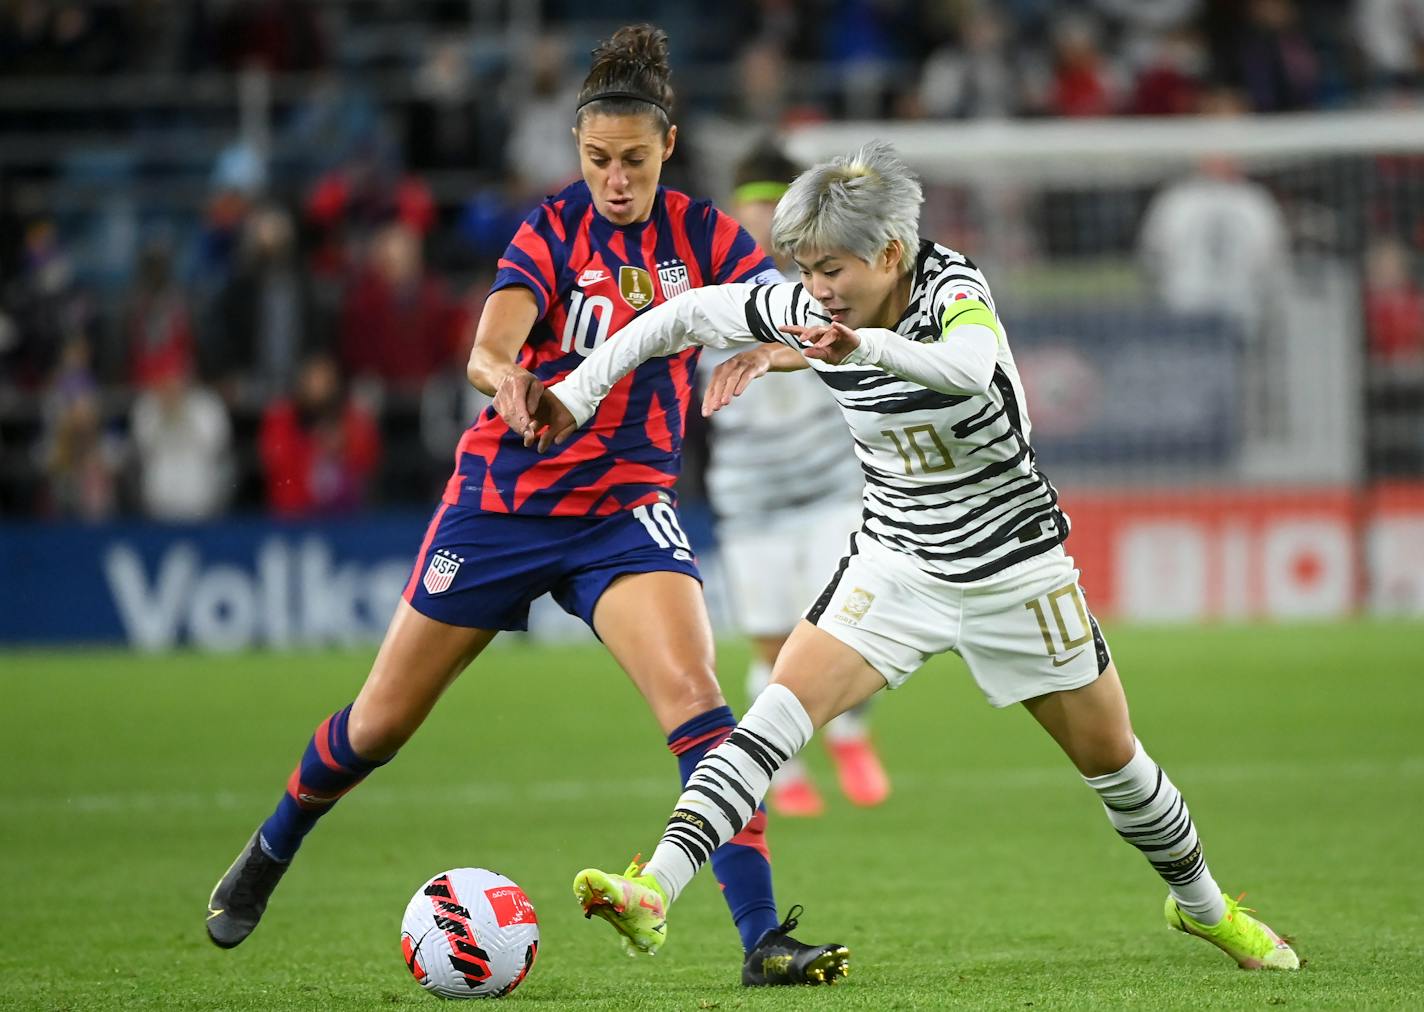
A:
[780,959]
[241,895]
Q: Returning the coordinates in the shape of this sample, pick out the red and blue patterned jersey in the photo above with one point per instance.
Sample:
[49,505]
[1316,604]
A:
[590,278]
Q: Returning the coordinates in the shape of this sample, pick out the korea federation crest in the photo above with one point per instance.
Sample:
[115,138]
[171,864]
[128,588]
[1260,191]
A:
[441,571]
[857,603]
[636,286]
[673,277]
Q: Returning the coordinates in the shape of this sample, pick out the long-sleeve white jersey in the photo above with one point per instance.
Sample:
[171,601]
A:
[935,408]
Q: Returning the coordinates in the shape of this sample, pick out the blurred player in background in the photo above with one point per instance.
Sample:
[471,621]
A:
[593,525]
[960,549]
[785,485]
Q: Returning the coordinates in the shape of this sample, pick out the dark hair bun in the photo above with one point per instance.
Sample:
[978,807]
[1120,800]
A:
[632,67]
[635,49]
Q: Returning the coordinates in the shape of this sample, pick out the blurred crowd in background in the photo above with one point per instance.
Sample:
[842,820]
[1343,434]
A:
[203,310]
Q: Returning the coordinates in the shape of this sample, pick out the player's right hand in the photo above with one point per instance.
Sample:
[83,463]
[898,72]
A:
[732,377]
[517,399]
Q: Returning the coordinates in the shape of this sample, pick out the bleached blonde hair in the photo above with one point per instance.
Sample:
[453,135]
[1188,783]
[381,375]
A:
[859,203]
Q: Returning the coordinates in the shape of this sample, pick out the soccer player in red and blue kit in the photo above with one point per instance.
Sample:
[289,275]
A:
[594,525]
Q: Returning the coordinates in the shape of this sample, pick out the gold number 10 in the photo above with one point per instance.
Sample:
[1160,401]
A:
[910,432]
[1052,599]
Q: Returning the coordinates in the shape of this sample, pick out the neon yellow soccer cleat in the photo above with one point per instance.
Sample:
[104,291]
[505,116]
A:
[1251,943]
[634,904]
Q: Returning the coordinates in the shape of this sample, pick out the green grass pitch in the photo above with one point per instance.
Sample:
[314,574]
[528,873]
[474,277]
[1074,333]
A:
[989,880]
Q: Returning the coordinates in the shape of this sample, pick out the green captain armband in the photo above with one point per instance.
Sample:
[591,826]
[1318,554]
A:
[962,311]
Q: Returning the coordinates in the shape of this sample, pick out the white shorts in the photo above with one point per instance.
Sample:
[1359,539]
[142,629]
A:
[776,568]
[1023,632]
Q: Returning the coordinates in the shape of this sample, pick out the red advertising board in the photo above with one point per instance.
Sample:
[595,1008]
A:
[1284,553]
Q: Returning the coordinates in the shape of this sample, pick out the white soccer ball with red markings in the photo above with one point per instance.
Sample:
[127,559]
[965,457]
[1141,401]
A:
[469,933]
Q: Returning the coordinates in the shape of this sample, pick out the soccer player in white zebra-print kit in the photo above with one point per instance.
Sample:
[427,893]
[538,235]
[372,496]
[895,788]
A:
[960,549]
[786,488]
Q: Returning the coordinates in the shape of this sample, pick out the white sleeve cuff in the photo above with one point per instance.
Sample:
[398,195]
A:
[868,351]
[578,404]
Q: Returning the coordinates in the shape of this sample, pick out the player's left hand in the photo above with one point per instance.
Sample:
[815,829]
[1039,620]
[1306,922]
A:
[829,343]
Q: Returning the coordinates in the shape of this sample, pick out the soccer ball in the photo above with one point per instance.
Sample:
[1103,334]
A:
[469,933]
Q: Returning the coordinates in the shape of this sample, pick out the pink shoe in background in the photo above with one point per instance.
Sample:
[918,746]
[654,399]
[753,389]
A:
[796,798]
[863,779]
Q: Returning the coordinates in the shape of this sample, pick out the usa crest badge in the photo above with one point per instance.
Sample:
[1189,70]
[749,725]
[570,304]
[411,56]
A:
[673,277]
[636,286]
[441,572]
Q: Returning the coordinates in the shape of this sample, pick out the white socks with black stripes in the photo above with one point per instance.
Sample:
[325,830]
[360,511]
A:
[1149,813]
[758,678]
[728,784]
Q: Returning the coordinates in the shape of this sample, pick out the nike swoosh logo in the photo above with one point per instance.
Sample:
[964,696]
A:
[213,913]
[591,278]
[1058,664]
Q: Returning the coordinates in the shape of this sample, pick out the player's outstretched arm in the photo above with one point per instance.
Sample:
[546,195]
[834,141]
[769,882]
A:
[714,317]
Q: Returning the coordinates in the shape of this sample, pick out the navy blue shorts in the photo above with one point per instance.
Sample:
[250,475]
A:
[483,570]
